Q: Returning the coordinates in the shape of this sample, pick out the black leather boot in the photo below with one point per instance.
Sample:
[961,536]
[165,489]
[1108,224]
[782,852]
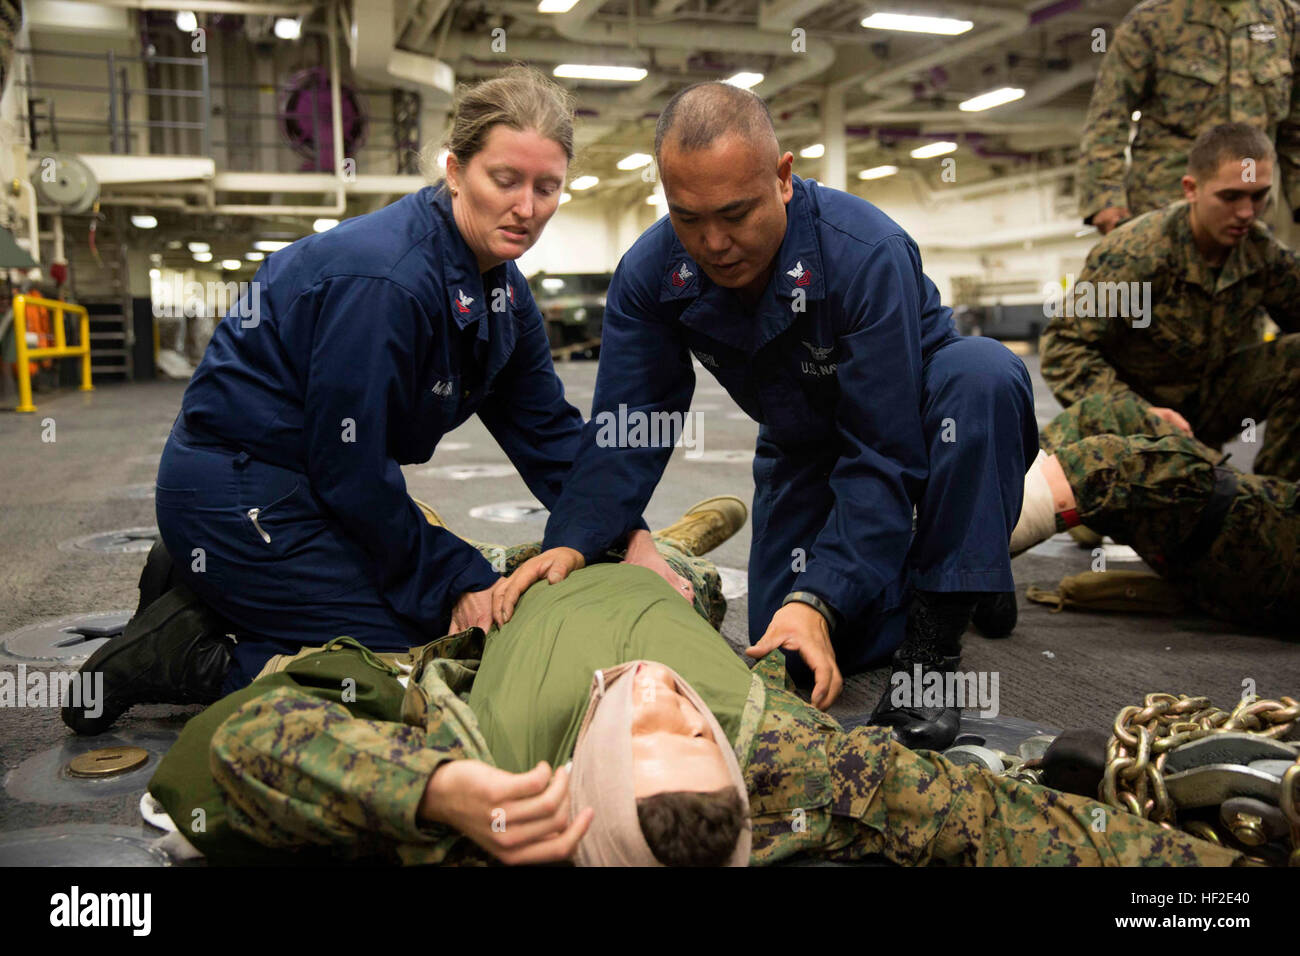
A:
[995,614]
[935,623]
[175,652]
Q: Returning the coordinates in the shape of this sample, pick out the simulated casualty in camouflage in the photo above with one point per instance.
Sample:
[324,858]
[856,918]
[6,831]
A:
[299,771]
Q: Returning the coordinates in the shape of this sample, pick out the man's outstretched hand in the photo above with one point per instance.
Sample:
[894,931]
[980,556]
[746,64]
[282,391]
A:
[474,609]
[1173,418]
[799,627]
[554,565]
[641,551]
[517,817]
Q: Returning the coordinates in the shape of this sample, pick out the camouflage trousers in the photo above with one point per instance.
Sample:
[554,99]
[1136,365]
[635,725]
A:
[1253,385]
[854,795]
[1145,483]
[702,573]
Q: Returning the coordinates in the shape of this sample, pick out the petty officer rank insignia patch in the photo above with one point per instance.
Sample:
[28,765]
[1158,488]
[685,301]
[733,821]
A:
[463,301]
[1262,33]
[799,274]
[681,275]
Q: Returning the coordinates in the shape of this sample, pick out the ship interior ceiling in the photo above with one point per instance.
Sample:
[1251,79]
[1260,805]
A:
[154,155]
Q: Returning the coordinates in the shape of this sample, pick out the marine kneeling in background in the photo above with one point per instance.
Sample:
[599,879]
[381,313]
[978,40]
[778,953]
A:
[1169,309]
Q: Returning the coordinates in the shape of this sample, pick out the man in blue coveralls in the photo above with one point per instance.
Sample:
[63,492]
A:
[810,307]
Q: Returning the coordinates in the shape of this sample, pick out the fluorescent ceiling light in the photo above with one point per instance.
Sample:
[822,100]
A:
[269,245]
[321,225]
[1137,115]
[986,101]
[635,161]
[906,22]
[288,28]
[815,151]
[254,256]
[933,149]
[144,222]
[552,284]
[584,182]
[202,257]
[187,21]
[565,197]
[555,6]
[580,71]
[652,200]
[198,247]
[878,172]
[745,80]
[155,273]
[231,264]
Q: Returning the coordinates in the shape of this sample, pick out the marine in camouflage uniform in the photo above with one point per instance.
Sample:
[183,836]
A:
[1187,65]
[299,772]
[1142,481]
[1202,352]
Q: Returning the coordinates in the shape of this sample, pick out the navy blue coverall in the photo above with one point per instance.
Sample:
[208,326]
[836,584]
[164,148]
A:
[280,495]
[869,403]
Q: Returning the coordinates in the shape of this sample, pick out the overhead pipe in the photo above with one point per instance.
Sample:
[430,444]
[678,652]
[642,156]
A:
[419,35]
[1043,92]
[214,6]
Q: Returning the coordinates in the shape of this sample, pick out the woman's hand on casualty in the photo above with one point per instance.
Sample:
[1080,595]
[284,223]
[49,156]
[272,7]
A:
[554,565]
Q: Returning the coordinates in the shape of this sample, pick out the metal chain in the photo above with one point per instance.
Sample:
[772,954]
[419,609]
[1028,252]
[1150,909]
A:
[1143,736]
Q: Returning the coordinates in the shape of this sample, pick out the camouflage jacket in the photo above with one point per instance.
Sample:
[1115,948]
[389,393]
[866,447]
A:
[299,772]
[1187,65]
[1193,320]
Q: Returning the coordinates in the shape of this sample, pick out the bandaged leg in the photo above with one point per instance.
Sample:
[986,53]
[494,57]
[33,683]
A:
[1048,504]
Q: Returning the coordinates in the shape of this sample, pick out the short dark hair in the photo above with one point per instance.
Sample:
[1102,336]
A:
[683,828]
[700,113]
[1228,141]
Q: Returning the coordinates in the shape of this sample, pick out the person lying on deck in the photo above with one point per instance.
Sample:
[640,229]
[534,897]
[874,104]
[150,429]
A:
[609,724]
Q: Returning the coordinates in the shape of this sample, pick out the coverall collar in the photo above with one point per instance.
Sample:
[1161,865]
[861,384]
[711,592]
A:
[467,289]
[1243,261]
[718,312]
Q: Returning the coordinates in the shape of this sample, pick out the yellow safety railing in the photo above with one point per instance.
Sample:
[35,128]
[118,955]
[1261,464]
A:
[60,349]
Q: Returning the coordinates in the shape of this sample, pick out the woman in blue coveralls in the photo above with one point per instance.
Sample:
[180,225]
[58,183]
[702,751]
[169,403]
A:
[280,494]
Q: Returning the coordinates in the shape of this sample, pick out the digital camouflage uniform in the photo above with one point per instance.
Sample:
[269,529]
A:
[301,772]
[1142,481]
[1187,65]
[1202,352]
